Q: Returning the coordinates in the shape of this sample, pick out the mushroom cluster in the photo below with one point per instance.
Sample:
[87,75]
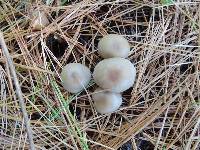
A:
[113,75]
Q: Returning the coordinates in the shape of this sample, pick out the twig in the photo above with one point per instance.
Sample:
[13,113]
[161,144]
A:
[18,90]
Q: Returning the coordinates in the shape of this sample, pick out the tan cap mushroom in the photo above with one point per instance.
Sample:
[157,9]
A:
[113,45]
[75,77]
[115,74]
[106,101]
[40,20]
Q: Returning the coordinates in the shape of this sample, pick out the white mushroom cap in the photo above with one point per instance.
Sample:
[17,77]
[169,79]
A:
[115,74]
[40,20]
[113,45]
[106,101]
[75,77]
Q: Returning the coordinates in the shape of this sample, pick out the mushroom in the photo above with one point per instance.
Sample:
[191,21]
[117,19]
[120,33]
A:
[115,74]
[75,77]
[106,101]
[40,20]
[113,45]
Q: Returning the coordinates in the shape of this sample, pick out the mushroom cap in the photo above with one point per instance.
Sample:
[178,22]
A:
[106,101]
[113,45]
[115,74]
[75,77]
[40,20]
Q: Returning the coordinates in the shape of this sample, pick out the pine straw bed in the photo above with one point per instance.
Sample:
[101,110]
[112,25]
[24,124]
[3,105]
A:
[162,109]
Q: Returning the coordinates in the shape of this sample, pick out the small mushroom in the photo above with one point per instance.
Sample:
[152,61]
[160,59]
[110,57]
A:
[106,101]
[75,77]
[115,74]
[113,45]
[40,20]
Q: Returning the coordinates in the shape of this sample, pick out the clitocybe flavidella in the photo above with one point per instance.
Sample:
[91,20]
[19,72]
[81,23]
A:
[106,101]
[115,74]
[113,45]
[40,20]
[75,77]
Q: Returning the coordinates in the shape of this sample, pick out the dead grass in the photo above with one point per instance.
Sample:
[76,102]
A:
[163,107]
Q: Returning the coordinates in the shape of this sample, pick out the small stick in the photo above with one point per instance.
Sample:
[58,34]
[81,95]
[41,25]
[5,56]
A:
[18,90]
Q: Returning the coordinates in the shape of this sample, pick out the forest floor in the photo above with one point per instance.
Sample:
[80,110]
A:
[161,110]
